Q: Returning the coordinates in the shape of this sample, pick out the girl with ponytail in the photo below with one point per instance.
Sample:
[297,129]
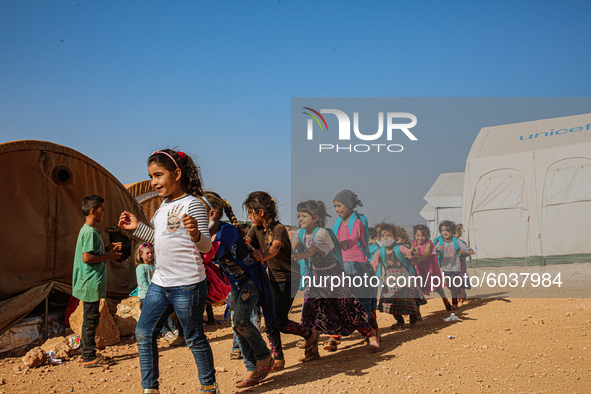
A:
[249,287]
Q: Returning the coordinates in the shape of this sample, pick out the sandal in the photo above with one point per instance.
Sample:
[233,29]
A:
[99,361]
[151,391]
[246,382]
[261,373]
[374,346]
[211,389]
[236,355]
[311,349]
[447,304]
[278,365]
[332,344]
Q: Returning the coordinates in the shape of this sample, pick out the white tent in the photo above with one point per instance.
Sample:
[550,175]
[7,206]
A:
[445,198]
[428,213]
[527,192]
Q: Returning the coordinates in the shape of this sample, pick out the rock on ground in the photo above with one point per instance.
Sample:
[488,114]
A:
[107,332]
[127,316]
[35,357]
[60,346]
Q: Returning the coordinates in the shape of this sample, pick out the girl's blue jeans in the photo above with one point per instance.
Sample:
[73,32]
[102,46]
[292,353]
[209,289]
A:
[189,303]
[243,298]
[255,318]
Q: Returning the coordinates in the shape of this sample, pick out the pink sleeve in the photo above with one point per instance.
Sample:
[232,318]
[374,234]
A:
[405,251]
[356,235]
[207,257]
[375,261]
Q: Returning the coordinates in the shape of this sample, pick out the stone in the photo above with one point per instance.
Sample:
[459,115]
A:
[60,346]
[107,332]
[127,315]
[35,357]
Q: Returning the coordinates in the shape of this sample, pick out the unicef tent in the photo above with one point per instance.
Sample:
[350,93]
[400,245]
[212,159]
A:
[428,213]
[445,198]
[41,217]
[527,192]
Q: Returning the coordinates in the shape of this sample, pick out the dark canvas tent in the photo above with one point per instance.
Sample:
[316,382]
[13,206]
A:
[146,196]
[45,184]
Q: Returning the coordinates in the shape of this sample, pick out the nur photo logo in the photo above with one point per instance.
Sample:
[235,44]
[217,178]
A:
[391,124]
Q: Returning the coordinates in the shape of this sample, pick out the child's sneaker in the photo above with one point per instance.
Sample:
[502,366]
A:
[171,336]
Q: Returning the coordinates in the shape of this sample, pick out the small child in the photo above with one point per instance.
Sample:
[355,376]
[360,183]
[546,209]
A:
[458,235]
[426,263]
[89,279]
[336,311]
[179,284]
[450,255]
[144,269]
[272,245]
[352,232]
[399,297]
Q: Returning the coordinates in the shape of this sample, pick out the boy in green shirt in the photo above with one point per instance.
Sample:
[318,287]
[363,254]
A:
[89,279]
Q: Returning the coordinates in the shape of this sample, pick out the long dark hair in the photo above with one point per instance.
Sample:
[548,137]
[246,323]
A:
[262,200]
[223,206]
[314,208]
[190,172]
[422,228]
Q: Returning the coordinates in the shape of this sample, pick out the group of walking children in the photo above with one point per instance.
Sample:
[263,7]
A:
[260,270]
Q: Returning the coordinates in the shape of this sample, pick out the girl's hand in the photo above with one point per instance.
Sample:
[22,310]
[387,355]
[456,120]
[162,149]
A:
[439,248]
[295,257]
[343,245]
[190,224]
[128,221]
[258,255]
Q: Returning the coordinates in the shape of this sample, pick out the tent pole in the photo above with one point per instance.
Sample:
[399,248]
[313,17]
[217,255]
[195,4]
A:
[46,320]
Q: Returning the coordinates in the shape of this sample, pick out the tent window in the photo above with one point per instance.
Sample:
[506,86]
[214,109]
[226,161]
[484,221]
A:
[502,189]
[567,182]
[62,175]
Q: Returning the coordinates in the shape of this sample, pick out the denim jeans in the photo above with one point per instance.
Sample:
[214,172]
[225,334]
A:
[168,325]
[90,321]
[189,303]
[255,318]
[243,298]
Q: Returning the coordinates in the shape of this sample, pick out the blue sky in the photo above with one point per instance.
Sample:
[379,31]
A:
[117,80]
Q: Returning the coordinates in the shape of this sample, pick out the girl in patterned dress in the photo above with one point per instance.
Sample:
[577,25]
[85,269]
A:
[400,295]
[331,311]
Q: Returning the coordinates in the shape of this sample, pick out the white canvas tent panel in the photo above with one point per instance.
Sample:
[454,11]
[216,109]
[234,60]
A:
[526,189]
[428,213]
[445,196]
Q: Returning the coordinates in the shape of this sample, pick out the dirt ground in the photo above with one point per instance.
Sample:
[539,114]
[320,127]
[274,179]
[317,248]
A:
[517,345]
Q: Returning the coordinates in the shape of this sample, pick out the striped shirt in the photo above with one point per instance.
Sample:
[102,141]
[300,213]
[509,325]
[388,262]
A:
[178,259]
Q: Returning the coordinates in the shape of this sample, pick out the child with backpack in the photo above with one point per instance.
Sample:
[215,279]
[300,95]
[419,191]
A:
[399,296]
[426,263]
[450,255]
[351,229]
[331,311]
